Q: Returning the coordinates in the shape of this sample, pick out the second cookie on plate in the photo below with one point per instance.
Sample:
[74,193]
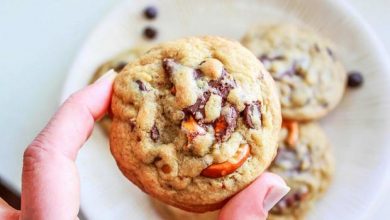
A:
[305,161]
[194,121]
[310,78]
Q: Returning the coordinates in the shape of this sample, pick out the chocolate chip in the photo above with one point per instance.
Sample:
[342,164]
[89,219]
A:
[298,196]
[173,90]
[289,72]
[287,157]
[290,201]
[141,85]
[150,33]
[223,85]
[192,109]
[119,66]
[266,58]
[150,12]
[248,113]
[197,73]
[330,52]
[168,65]
[198,107]
[355,79]
[225,124]
[154,133]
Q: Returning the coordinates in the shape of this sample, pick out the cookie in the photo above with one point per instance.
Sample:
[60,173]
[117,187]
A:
[305,162]
[117,63]
[194,121]
[167,212]
[310,79]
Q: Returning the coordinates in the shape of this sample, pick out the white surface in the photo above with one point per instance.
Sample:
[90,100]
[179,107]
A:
[39,39]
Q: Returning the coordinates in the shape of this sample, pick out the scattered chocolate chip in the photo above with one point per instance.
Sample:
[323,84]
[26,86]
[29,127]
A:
[154,134]
[119,66]
[150,12]
[141,85]
[225,124]
[355,79]
[150,33]
[248,113]
[168,65]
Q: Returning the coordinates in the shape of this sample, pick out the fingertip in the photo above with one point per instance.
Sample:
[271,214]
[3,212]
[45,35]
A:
[109,76]
[256,200]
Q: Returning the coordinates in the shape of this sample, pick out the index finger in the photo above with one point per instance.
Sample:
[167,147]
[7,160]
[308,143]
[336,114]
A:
[50,182]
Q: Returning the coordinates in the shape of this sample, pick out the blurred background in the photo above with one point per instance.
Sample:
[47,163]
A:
[39,41]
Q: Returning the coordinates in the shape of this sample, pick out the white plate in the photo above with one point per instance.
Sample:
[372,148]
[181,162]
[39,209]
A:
[357,127]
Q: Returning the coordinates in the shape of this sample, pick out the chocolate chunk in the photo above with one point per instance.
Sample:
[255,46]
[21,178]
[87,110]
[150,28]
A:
[223,85]
[288,159]
[355,79]
[198,107]
[141,85]
[197,73]
[225,124]
[290,201]
[154,133]
[249,112]
[119,66]
[289,72]
[192,109]
[150,12]
[150,33]
[298,196]
[168,65]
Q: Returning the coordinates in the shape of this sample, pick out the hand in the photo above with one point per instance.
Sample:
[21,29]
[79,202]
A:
[50,181]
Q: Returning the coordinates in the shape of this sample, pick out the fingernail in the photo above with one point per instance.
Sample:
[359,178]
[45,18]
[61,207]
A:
[274,195]
[111,74]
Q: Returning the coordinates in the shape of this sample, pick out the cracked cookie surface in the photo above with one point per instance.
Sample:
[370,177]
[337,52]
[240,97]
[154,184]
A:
[306,164]
[194,121]
[310,79]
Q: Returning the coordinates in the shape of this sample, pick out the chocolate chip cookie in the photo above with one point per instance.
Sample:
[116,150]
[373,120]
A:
[167,212]
[117,63]
[305,162]
[310,79]
[194,121]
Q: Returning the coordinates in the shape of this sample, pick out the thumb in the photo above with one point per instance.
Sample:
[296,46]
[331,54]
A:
[256,200]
